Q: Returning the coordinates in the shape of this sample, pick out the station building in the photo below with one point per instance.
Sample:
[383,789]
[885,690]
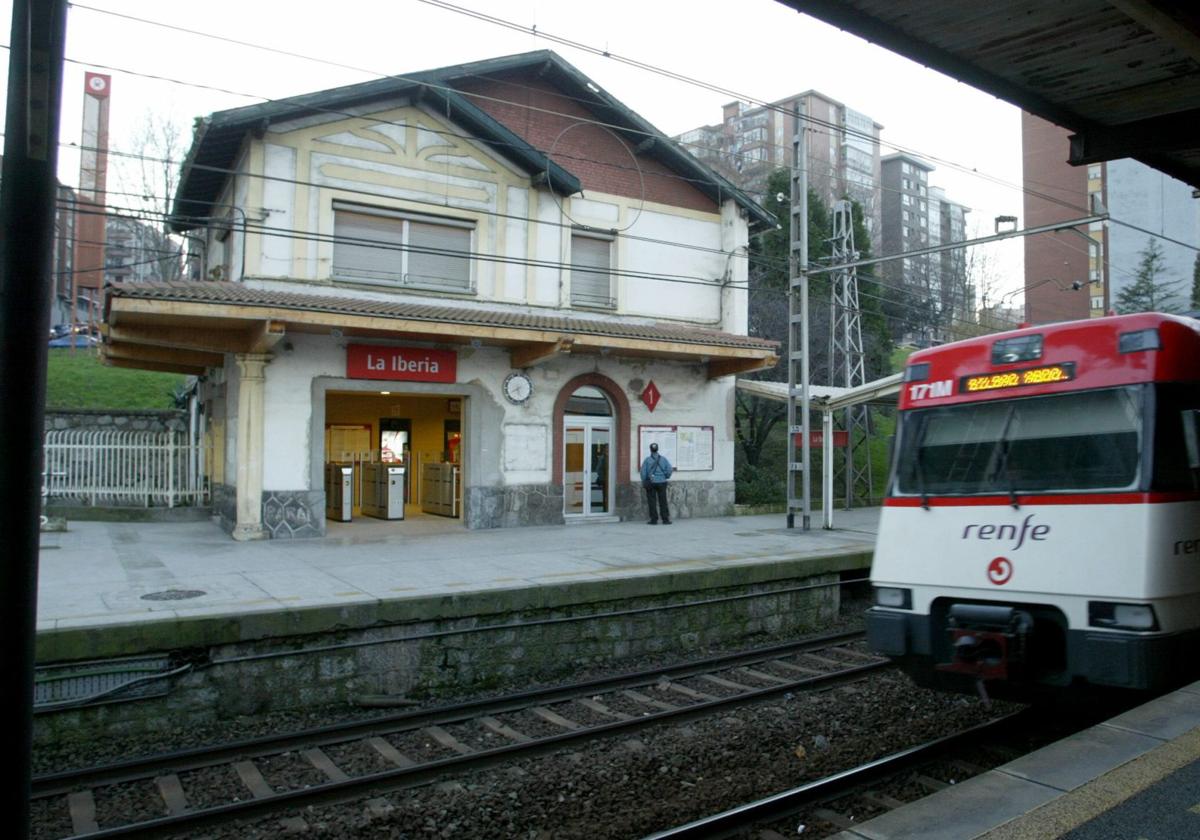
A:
[492,282]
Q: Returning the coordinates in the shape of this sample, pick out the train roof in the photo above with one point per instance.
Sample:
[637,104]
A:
[1072,355]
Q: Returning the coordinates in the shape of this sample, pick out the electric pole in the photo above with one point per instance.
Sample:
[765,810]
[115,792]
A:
[797,359]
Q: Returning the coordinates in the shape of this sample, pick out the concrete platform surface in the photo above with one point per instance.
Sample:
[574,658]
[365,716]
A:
[99,574]
[1129,777]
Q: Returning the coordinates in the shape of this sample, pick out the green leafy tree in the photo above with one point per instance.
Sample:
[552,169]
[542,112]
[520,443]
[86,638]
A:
[770,254]
[1149,291]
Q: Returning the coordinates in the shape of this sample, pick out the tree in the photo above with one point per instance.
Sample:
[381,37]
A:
[1149,291]
[148,178]
[770,256]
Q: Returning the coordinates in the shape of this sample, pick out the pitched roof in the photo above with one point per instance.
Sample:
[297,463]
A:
[219,136]
[281,299]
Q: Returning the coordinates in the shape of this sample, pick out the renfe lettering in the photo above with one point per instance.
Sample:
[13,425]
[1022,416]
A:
[1017,534]
[1187,547]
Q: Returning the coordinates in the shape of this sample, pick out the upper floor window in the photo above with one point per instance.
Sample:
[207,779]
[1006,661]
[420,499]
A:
[591,264]
[373,245]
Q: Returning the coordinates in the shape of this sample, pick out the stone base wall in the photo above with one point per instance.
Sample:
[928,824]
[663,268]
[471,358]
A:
[112,420]
[292,514]
[224,505]
[499,641]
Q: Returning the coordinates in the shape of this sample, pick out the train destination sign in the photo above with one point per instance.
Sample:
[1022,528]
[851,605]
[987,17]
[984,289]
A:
[1040,375]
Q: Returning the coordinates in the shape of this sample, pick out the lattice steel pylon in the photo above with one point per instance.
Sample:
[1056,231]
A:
[847,361]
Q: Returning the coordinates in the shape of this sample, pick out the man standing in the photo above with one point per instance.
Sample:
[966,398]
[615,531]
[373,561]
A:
[656,472]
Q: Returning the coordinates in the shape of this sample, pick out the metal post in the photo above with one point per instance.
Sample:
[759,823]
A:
[827,471]
[35,62]
[798,338]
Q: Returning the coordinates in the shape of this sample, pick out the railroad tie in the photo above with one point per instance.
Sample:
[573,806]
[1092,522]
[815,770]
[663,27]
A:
[638,697]
[833,817]
[599,708]
[171,791]
[83,812]
[318,759]
[504,729]
[385,749]
[796,669]
[829,663]
[858,654]
[724,683]
[555,718]
[686,692]
[882,800]
[930,783]
[253,780]
[447,740]
[762,676]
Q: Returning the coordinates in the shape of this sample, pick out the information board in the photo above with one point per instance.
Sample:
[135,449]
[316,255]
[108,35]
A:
[686,447]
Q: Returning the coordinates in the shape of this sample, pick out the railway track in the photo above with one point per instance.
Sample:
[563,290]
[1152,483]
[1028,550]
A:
[851,797]
[180,791]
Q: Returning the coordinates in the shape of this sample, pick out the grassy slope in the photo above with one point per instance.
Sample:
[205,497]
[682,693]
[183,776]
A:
[79,380]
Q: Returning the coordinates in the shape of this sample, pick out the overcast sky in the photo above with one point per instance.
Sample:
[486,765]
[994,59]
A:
[755,48]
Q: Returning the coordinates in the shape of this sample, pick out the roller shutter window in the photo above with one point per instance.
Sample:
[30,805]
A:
[392,249]
[591,282]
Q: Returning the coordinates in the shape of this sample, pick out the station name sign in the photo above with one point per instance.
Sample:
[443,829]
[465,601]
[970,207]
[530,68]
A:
[407,364]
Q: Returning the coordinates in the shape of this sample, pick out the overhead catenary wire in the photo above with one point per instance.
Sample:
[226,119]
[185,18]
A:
[567,42]
[840,128]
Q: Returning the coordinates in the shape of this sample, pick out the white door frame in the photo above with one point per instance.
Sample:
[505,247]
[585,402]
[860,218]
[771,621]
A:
[589,423]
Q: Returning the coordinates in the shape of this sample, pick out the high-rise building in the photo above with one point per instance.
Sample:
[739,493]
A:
[935,295]
[751,142]
[1079,276]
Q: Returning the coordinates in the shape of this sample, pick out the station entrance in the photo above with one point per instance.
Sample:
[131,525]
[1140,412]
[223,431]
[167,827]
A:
[393,458]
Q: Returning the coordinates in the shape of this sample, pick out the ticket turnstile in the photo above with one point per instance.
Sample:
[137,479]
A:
[439,489]
[339,492]
[383,491]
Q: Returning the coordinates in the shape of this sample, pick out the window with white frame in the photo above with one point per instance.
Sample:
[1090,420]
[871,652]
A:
[591,266]
[374,245]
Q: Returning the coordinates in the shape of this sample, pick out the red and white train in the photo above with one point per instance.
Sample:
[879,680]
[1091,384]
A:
[1042,526]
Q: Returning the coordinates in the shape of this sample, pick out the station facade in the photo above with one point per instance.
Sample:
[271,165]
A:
[491,285]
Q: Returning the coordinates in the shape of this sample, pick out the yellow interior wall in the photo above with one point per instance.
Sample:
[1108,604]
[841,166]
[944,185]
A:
[427,415]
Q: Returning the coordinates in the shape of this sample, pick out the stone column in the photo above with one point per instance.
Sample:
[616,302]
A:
[250,446]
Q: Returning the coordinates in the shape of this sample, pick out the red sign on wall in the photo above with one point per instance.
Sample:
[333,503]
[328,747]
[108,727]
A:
[409,364]
[840,439]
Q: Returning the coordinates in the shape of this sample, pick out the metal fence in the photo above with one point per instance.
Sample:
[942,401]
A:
[160,469]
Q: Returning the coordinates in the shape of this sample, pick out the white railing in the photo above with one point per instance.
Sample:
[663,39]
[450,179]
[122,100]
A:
[125,468]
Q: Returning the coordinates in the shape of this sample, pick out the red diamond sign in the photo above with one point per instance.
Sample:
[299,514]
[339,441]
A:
[650,395]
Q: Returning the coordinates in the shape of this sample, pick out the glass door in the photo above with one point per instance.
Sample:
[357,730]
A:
[587,466]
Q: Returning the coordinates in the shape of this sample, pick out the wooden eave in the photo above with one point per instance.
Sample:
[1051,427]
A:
[185,333]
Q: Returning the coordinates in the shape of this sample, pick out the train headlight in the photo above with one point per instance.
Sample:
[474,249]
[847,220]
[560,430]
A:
[1122,616]
[893,596]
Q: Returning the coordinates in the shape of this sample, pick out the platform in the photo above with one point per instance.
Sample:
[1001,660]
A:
[139,579]
[1136,776]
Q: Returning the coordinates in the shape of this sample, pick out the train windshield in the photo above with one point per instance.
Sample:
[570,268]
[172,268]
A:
[1088,440]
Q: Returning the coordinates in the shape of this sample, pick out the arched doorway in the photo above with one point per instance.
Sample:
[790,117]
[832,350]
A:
[588,465]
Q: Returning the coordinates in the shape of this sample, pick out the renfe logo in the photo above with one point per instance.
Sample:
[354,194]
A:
[410,364]
[1008,532]
[927,390]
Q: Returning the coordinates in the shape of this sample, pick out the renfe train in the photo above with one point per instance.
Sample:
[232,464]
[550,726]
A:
[1041,532]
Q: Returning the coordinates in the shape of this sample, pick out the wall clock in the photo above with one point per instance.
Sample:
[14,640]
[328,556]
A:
[517,388]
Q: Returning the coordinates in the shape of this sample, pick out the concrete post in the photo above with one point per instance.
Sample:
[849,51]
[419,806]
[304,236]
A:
[250,445]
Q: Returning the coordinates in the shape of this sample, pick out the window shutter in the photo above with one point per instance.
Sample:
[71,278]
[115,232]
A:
[591,283]
[446,264]
[368,247]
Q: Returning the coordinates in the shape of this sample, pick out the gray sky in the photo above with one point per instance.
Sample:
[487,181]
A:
[756,48]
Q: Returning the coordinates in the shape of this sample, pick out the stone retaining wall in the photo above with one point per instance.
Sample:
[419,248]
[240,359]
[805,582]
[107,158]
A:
[107,420]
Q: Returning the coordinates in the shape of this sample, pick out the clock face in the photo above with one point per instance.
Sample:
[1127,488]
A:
[517,388]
